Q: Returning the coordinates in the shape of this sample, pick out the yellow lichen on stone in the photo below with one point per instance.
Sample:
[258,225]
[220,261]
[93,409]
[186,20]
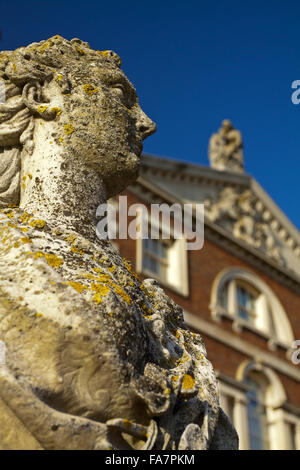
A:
[122,293]
[182,360]
[10,215]
[188,382]
[44,46]
[56,110]
[129,268]
[59,77]
[98,270]
[104,284]
[80,51]
[42,109]
[145,290]
[25,240]
[147,311]
[25,217]
[101,278]
[105,53]
[69,129]
[90,89]
[71,238]
[77,286]
[76,250]
[37,223]
[53,260]
[101,290]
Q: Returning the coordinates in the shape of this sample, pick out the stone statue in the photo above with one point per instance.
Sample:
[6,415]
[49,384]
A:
[94,358]
[226,149]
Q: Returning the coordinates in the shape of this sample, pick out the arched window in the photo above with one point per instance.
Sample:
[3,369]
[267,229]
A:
[262,420]
[258,429]
[246,299]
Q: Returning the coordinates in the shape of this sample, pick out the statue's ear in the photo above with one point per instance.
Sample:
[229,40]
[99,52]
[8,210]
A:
[33,99]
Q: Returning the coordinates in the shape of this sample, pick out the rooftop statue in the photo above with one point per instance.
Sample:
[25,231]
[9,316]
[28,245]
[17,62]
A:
[95,359]
[226,149]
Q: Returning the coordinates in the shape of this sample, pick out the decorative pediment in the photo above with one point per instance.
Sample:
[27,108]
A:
[242,214]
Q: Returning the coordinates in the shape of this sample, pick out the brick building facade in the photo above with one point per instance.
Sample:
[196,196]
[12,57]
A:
[240,291]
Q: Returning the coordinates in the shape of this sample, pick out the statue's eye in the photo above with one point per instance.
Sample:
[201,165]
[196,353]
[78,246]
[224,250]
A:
[122,93]
[118,90]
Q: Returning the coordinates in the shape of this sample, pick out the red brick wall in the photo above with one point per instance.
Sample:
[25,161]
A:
[204,266]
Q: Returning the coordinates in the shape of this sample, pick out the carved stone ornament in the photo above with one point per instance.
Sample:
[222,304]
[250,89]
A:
[95,359]
[226,149]
[237,212]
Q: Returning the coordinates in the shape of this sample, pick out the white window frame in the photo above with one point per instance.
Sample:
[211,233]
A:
[290,419]
[240,420]
[177,270]
[277,418]
[164,263]
[271,320]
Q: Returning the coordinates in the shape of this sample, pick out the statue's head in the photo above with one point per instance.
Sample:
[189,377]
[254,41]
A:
[226,125]
[65,94]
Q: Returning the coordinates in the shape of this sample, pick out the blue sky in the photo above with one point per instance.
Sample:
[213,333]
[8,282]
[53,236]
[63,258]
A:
[194,63]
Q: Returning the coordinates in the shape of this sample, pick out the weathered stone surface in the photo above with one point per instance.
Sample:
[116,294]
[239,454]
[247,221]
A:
[226,149]
[237,211]
[95,359]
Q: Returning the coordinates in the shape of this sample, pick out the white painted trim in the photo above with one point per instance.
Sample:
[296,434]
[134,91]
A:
[278,419]
[276,395]
[234,342]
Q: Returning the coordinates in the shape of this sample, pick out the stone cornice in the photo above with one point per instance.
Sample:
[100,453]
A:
[294,410]
[176,169]
[185,170]
[232,382]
